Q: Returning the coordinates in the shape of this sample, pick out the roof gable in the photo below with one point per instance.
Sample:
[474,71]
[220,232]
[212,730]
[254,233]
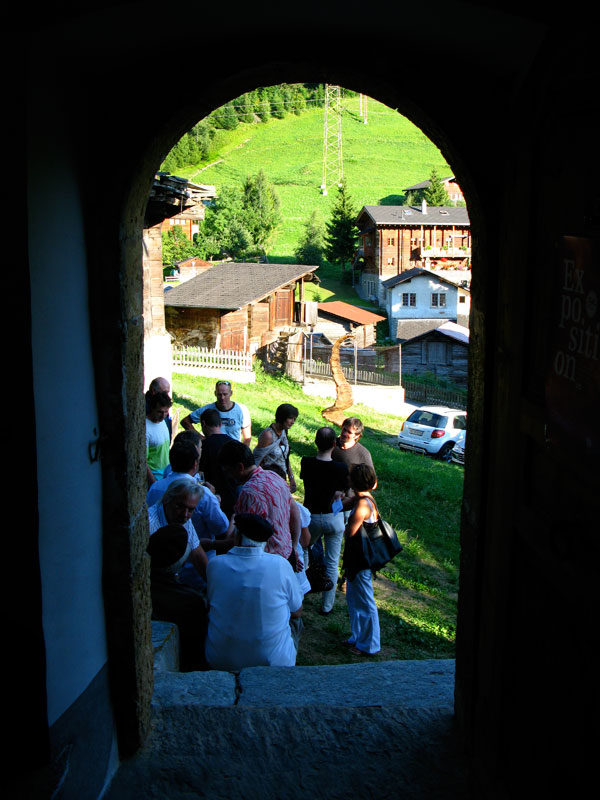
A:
[417,272]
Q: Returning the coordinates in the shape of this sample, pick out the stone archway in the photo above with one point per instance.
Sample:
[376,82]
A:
[524,89]
[140,668]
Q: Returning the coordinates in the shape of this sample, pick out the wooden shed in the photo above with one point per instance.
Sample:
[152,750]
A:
[443,351]
[235,306]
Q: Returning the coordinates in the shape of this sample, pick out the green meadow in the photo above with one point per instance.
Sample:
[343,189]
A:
[380,160]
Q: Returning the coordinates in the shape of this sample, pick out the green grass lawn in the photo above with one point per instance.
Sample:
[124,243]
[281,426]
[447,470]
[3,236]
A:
[417,593]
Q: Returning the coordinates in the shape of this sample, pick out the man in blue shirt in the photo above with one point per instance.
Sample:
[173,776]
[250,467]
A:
[208,519]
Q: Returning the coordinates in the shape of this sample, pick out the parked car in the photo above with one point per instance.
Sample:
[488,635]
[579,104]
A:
[433,430]
[457,454]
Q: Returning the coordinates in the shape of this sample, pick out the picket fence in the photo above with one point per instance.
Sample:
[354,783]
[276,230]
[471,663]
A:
[206,358]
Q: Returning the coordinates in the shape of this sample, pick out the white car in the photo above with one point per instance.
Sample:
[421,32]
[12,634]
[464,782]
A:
[433,430]
[457,454]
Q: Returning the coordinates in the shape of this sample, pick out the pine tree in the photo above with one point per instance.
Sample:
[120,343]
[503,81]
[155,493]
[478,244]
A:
[311,246]
[342,234]
[246,109]
[435,194]
[261,205]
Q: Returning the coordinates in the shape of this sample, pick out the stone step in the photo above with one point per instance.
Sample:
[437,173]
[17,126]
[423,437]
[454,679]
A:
[410,684]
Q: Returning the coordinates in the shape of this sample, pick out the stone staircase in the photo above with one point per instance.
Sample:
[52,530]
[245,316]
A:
[372,730]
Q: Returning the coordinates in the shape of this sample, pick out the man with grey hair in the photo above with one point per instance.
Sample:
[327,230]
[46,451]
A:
[176,507]
[255,602]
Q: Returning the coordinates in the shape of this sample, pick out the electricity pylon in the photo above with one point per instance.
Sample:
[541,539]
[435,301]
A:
[333,166]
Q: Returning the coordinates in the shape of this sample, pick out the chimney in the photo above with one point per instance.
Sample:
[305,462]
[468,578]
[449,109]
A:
[424,206]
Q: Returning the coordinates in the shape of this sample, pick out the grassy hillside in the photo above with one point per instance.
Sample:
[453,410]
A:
[380,160]
[417,593]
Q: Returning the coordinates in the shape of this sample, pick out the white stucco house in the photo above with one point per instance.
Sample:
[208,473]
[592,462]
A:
[422,294]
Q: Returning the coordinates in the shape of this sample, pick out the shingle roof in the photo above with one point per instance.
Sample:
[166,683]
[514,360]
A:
[450,329]
[414,273]
[350,312]
[413,215]
[410,328]
[234,285]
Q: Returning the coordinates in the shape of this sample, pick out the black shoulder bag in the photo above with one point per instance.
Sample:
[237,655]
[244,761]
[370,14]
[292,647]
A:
[379,542]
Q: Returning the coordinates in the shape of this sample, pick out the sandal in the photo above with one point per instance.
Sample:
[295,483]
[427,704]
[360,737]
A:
[355,651]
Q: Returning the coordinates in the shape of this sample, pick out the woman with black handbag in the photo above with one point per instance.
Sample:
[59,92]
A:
[362,610]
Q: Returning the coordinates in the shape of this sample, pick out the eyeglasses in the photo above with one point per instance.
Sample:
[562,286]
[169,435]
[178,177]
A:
[223,383]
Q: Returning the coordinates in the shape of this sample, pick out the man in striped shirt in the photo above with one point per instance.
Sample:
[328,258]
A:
[264,493]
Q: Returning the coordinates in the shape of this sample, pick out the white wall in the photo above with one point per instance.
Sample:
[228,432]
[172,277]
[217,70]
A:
[69,490]
[423,286]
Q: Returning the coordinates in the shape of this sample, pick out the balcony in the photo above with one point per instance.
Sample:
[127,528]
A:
[444,252]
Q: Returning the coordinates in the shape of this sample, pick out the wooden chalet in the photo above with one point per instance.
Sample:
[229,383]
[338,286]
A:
[454,191]
[336,318]
[190,213]
[395,239]
[237,306]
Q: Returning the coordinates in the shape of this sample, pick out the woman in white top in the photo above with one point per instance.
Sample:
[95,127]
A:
[364,619]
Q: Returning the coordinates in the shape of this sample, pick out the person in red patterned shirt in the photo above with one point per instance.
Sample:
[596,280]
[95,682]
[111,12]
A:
[264,493]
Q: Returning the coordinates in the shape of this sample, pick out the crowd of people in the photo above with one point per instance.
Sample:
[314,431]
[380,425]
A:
[232,551]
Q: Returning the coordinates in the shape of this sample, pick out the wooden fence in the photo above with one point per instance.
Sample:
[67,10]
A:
[205,358]
[360,375]
[433,394]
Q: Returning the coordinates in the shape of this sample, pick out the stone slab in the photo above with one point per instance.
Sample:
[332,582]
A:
[409,684]
[194,689]
[282,753]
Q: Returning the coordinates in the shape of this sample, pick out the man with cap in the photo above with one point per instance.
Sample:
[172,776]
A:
[252,597]
[172,601]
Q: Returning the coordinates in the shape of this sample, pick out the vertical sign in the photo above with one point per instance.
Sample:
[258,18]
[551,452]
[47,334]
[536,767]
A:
[573,374]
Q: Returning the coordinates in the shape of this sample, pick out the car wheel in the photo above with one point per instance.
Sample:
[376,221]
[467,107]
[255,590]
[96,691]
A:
[445,451]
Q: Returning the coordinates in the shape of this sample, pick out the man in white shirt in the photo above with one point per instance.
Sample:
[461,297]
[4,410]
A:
[252,597]
[235,417]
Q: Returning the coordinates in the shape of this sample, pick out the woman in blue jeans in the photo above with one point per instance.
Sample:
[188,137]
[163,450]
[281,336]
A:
[325,481]
[362,610]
